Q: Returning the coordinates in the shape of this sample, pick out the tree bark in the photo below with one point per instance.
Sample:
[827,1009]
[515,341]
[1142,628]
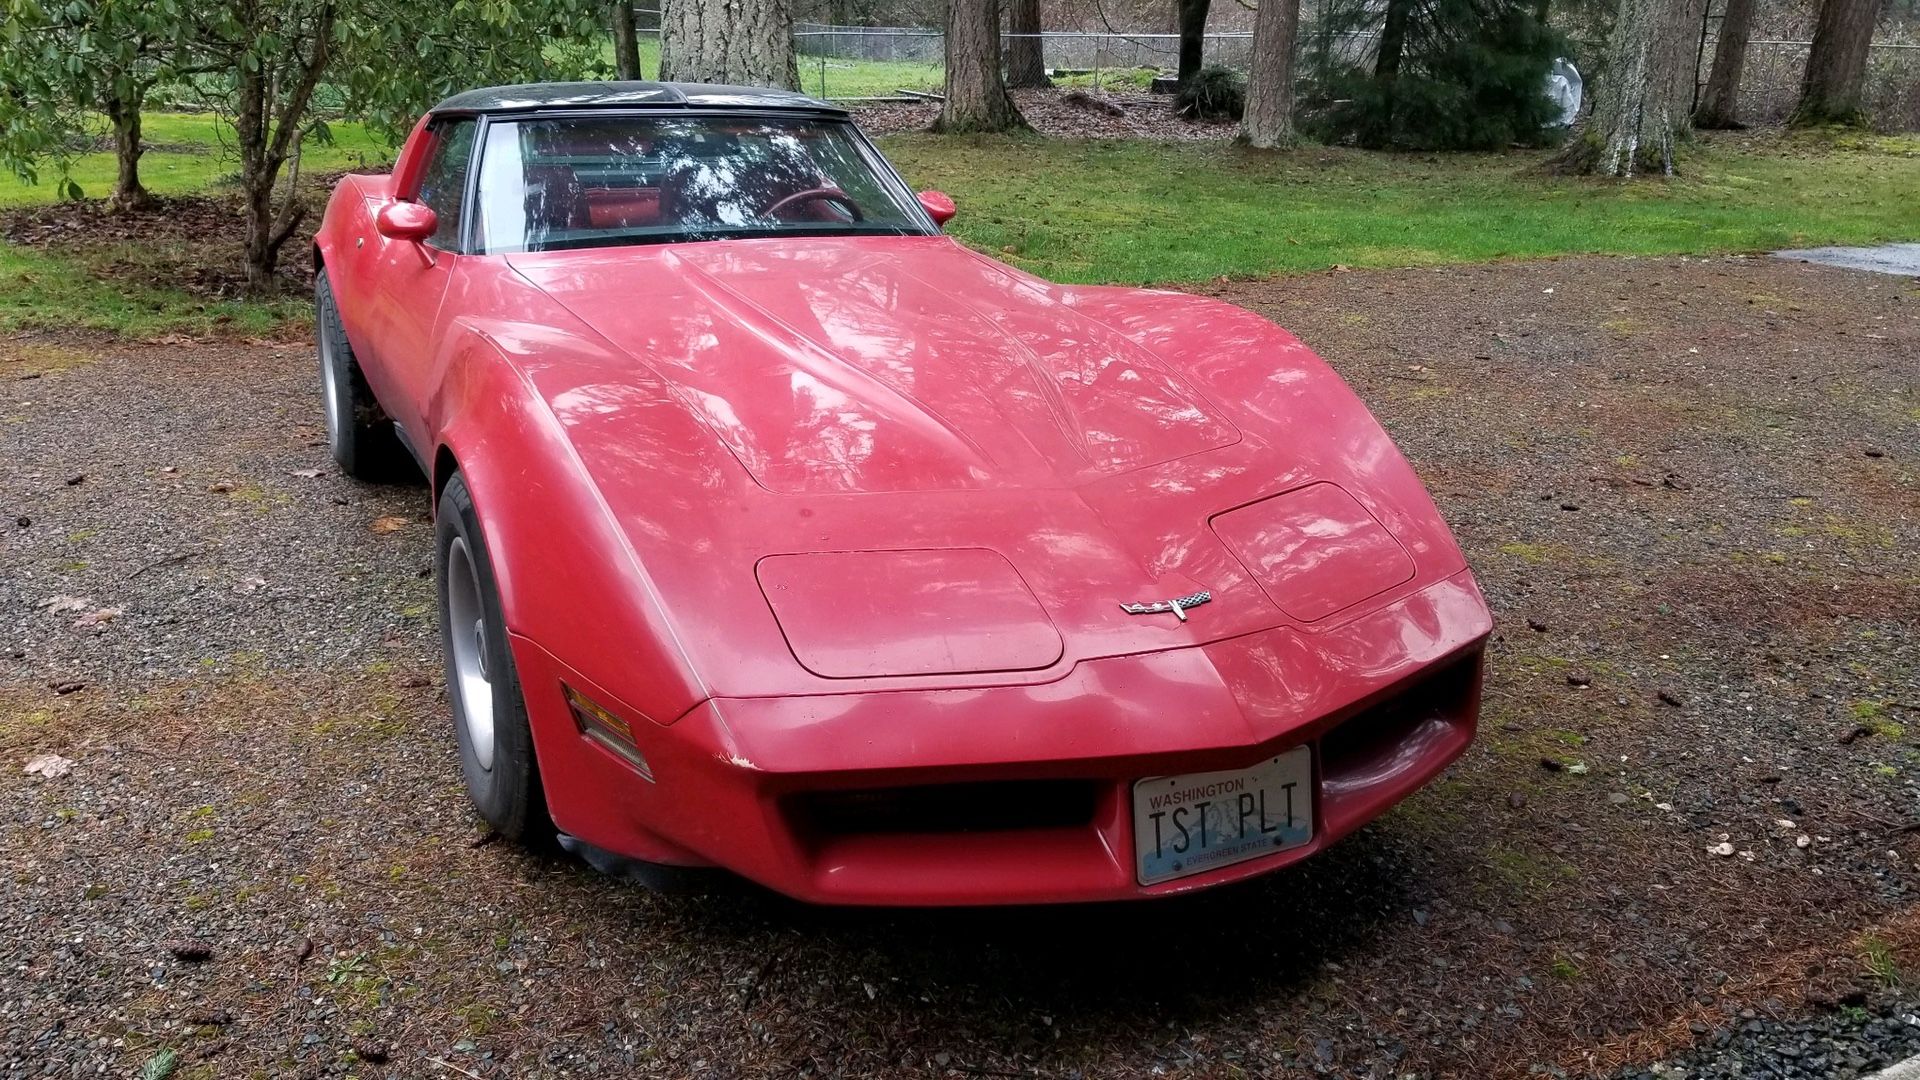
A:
[1834,89]
[740,42]
[124,114]
[1193,36]
[1720,103]
[1393,40]
[271,102]
[1267,123]
[976,95]
[1026,60]
[1641,106]
[1386,63]
[626,42]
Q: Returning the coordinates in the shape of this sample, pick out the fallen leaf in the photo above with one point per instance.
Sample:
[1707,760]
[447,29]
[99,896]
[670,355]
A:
[60,605]
[309,473]
[250,584]
[388,523]
[99,617]
[48,766]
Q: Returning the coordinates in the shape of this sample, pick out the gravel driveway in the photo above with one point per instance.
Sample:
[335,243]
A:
[1691,489]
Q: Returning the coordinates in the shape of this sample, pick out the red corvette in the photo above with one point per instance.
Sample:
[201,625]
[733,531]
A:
[777,531]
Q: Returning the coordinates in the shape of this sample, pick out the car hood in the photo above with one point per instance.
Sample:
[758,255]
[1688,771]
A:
[903,463]
[910,365]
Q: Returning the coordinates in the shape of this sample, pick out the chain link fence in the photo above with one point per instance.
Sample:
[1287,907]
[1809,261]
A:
[850,63]
[1770,82]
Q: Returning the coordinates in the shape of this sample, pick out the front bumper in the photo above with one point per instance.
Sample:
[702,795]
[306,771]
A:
[1387,701]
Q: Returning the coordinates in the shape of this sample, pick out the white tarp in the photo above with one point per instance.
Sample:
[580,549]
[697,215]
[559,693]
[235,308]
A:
[1564,87]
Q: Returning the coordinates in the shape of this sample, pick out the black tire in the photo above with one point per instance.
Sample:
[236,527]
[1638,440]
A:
[359,432]
[502,773]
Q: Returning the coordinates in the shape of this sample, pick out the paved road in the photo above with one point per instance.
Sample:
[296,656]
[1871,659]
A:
[1903,259]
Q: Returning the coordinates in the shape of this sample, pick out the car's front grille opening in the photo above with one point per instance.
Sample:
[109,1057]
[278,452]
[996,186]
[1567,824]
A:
[991,806]
[1376,738]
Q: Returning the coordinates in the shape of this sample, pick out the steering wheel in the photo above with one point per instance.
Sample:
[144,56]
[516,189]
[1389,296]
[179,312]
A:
[814,195]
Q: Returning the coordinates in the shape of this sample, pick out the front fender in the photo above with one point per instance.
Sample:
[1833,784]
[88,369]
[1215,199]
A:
[569,579]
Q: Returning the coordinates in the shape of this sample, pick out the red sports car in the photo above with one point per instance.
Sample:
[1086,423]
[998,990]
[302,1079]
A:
[779,532]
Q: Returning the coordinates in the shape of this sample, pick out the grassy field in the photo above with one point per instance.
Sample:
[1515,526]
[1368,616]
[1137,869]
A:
[191,152]
[1137,212]
[1140,212]
[826,77]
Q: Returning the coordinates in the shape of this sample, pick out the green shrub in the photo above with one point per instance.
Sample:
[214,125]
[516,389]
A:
[1213,93]
[1471,75]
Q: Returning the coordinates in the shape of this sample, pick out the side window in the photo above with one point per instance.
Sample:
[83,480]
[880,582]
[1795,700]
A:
[443,187]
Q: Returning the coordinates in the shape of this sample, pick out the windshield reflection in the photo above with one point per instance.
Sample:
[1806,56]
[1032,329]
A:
[596,181]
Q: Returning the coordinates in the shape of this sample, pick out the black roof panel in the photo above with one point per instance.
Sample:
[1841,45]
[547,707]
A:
[587,95]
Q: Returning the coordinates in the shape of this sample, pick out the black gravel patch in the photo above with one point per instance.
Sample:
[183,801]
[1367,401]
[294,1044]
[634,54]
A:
[1855,1042]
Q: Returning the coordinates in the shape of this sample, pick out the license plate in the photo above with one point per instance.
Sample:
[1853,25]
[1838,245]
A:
[1203,821]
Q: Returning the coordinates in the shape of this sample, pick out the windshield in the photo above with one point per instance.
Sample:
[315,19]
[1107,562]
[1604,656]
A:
[605,180]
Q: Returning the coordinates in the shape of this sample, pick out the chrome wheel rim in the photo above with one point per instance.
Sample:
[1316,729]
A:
[329,384]
[467,641]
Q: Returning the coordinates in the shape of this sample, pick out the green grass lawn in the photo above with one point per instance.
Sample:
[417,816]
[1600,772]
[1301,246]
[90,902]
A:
[1137,213]
[825,77]
[1150,213]
[191,152]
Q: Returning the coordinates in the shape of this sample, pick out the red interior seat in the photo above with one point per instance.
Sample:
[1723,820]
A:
[622,208]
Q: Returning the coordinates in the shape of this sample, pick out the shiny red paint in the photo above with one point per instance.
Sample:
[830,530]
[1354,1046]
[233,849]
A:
[938,205]
[405,221]
[820,515]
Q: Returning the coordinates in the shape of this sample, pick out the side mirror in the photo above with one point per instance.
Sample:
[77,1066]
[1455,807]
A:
[938,206]
[406,221]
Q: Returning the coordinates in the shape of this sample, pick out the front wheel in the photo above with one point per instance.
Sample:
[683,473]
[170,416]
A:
[489,712]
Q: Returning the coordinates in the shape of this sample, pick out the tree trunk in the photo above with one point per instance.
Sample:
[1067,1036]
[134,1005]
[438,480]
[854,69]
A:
[741,42]
[1720,103]
[1193,36]
[1026,60]
[128,192]
[270,105]
[263,255]
[976,96]
[1640,107]
[1393,40]
[1386,65]
[1267,123]
[1837,64]
[626,43]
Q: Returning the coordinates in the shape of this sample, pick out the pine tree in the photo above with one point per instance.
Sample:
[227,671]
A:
[1833,92]
[1446,75]
[1640,108]
[1719,106]
[976,92]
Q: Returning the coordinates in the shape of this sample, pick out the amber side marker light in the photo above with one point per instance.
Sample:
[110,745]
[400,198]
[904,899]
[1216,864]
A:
[600,726]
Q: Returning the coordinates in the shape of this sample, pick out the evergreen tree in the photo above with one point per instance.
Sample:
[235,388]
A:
[1445,75]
